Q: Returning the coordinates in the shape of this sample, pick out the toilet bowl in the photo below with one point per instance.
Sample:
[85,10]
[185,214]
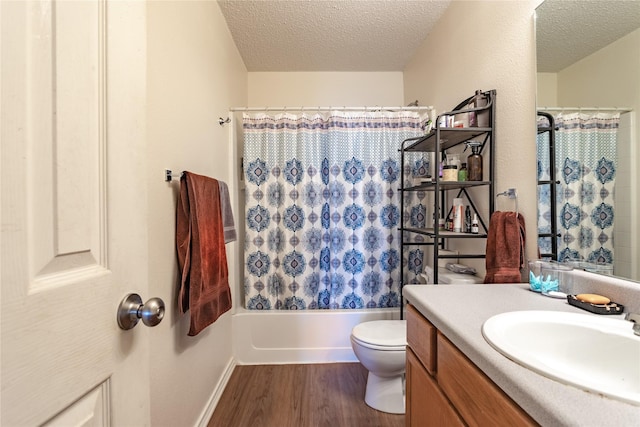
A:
[380,346]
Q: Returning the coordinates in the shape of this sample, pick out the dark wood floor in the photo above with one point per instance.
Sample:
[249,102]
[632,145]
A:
[315,395]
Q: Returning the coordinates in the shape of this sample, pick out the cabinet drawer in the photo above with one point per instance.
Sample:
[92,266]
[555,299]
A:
[421,337]
[478,399]
[427,406]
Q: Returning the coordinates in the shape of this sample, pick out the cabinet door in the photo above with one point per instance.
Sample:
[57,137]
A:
[479,400]
[421,337]
[426,404]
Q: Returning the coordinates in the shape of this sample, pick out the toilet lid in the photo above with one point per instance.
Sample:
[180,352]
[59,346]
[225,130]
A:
[387,333]
[449,277]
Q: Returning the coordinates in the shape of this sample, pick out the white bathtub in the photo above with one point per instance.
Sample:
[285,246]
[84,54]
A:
[309,336]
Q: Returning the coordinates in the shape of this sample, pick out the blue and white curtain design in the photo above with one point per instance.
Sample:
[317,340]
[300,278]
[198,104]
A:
[416,214]
[586,168]
[322,209]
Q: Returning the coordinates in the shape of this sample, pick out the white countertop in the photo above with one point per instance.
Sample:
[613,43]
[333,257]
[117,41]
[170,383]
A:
[459,311]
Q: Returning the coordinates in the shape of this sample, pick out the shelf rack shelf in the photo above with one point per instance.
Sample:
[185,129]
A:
[437,141]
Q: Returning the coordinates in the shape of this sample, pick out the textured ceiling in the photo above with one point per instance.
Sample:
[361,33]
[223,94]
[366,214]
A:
[569,30]
[319,35]
[382,35]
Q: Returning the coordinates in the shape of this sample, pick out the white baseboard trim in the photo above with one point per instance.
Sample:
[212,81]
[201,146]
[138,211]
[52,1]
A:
[206,414]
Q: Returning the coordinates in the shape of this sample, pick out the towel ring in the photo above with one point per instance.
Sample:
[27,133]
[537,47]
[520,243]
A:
[511,193]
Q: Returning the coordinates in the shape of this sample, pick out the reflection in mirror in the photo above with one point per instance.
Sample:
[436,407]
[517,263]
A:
[588,55]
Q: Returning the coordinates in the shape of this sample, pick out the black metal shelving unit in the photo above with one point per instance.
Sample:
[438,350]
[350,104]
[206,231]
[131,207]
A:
[552,182]
[437,141]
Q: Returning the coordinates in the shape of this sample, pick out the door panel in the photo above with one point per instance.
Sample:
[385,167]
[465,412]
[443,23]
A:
[65,146]
[89,410]
[62,353]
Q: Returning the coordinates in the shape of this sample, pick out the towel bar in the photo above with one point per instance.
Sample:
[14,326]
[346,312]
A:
[168,175]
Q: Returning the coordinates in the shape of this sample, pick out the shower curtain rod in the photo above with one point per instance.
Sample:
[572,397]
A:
[578,109]
[285,109]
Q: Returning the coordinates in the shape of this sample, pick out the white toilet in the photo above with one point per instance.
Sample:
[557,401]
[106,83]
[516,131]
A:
[380,346]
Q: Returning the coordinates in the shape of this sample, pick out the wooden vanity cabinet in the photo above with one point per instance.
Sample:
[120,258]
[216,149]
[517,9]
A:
[426,404]
[443,387]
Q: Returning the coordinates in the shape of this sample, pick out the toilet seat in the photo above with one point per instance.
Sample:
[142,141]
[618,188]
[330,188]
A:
[384,335]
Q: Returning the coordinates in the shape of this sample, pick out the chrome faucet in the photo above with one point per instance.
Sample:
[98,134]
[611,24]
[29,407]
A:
[635,318]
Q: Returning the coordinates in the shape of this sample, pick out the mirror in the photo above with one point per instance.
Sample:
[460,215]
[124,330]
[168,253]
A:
[588,56]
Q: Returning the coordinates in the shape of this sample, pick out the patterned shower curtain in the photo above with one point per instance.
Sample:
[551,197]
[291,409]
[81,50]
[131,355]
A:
[586,168]
[322,209]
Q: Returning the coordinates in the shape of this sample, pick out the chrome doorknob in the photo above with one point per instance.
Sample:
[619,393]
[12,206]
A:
[131,310]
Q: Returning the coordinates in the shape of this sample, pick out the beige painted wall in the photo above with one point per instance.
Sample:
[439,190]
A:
[488,45]
[194,74]
[547,93]
[609,78]
[325,89]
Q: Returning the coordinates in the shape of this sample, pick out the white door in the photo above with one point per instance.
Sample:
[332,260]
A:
[73,212]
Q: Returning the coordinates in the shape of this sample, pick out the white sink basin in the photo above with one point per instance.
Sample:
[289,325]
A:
[596,353]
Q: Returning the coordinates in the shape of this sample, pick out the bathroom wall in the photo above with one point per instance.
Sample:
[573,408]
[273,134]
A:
[194,74]
[547,93]
[325,89]
[488,45]
[609,76]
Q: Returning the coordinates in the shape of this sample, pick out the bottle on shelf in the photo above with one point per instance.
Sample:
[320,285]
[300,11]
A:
[473,118]
[449,173]
[474,224]
[479,118]
[458,215]
[448,226]
[462,173]
[474,162]
[467,219]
